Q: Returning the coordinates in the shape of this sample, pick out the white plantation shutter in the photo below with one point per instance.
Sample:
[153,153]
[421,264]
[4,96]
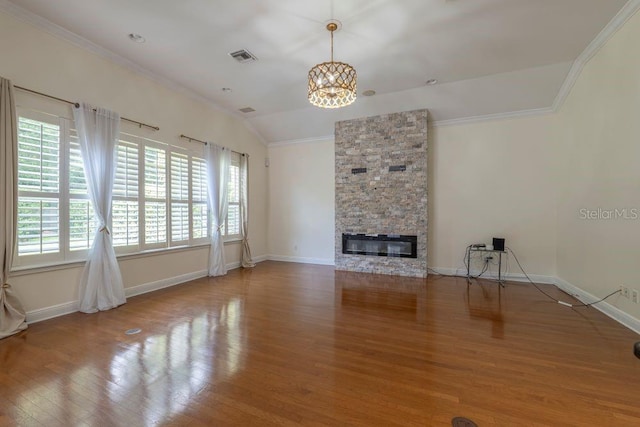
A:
[159,197]
[179,197]
[179,177]
[199,210]
[38,156]
[155,221]
[38,227]
[232,224]
[155,173]
[155,193]
[126,180]
[125,207]
[77,181]
[38,187]
[82,222]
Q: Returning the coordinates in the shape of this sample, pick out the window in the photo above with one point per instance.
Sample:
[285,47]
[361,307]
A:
[159,197]
[39,161]
[200,210]
[155,197]
[179,198]
[55,216]
[159,194]
[82,223]
[125,220]
[231,227]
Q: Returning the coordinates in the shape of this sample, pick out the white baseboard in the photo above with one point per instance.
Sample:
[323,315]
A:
[47,313]
[613,312]
[462,272]
[260,258]
[238,264]
[302,260]
[164,283]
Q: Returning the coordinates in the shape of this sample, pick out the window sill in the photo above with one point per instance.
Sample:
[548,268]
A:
[64,265]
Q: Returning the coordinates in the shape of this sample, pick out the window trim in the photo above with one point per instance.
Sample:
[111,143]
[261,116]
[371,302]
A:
[63,195]
[65,256]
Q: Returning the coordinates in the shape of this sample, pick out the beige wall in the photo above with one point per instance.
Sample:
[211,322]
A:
[37,60]
[599,142]
[493,179]
[302,202]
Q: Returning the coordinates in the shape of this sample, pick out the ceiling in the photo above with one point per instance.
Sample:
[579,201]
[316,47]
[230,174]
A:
[489,56]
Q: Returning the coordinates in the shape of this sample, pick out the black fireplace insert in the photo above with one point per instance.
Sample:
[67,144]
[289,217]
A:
[390,245]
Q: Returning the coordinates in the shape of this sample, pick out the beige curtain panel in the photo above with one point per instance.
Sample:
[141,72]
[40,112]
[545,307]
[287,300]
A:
[12,315]
[246,261]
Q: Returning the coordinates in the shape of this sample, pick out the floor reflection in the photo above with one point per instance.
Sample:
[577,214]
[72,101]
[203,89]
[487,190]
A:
[384,295]
[305,345]
[164,372]
[484,301]
[151,377]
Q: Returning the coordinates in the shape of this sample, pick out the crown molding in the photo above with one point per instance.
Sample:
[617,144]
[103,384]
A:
[628,10]
[492,117]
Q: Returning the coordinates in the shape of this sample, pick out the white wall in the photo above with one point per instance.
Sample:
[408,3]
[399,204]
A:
[599,141]
[493,179]
[302,202]
[37,60]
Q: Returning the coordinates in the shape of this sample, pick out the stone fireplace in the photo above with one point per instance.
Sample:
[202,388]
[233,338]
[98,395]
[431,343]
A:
[381,193]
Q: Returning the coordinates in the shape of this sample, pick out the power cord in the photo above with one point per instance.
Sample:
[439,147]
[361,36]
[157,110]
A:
[484,268]
[555,299]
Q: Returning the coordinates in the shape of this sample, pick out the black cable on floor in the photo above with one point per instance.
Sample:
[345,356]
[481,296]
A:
[553,298]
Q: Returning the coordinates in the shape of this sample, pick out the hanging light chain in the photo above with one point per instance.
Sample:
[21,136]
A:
[332,30]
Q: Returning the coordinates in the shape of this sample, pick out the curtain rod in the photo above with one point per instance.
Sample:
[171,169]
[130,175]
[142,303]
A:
[204,142]
[75,104]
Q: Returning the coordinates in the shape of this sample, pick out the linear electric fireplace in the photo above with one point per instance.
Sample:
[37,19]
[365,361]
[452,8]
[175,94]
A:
[389,245]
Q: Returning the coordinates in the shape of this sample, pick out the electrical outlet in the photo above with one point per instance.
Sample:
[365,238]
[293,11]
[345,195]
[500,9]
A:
[634,296]
[624,291]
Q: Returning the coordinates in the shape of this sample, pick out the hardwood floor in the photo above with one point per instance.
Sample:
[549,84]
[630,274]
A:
[290,344]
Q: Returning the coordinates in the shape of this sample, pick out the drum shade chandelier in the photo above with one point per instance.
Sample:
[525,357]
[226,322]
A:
[332,84]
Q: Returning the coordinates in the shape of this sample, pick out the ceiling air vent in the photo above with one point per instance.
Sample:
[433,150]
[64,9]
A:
[247,110]
[243,56]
